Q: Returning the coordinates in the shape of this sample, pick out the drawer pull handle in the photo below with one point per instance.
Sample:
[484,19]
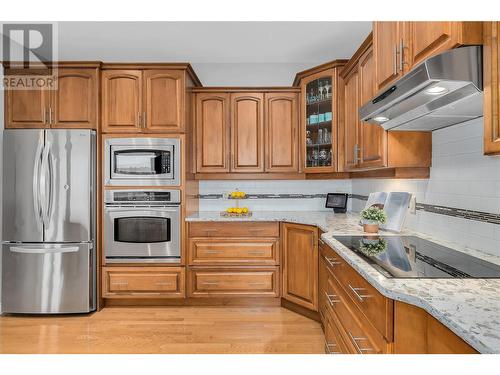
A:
[332,261]
[321,242]
[164,283]
[356,291]
[213,251]
[330,299]
[327,348]
[208,231]
[255,252]
[355,342]
[119,283]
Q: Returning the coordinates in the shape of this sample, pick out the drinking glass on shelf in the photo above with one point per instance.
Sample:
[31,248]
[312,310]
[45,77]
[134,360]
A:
[320,136]
[323,156]
[315,157]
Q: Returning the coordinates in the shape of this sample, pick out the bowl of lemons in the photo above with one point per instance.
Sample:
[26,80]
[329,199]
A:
[236,212]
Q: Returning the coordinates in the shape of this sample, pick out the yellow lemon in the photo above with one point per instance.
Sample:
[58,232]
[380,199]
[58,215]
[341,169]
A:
[242,194]
[238,210]
[234,194]
[244,210]
[229,210]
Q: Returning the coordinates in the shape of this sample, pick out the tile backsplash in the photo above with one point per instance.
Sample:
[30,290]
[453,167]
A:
[301,190]
[461,177]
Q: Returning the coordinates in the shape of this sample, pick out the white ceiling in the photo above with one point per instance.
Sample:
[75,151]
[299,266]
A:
[211,42]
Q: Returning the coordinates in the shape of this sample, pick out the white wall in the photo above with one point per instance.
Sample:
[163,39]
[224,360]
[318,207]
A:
[243,74]
[273,187]
[461,177]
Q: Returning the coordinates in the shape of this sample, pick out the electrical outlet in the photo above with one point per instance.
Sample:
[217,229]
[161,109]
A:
[413,205]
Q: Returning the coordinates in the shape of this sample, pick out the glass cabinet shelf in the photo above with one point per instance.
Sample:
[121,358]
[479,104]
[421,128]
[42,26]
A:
[319,117]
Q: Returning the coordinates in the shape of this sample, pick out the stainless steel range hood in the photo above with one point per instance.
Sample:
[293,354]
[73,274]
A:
[444,90]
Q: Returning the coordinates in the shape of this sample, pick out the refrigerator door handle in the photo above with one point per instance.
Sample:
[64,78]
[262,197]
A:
[36,183]
[40,250]
[46,184]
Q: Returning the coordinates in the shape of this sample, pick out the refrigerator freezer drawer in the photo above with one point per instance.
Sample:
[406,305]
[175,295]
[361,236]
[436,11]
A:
[47,278]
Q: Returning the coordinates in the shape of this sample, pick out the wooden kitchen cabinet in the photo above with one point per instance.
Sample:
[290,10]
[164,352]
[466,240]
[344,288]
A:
[75,102]
[321,105]
[491,80]
[417,332]
[300,265]
[430,38]
[212,132]
[247,132]
[372,138]
[121,101]
[387,39]
[143,282]
[233,260]
[163,100]
[399,46]
[242,132]
[73,105]
[145,98]
[26,108]
[351,119]
[281,127]
[368,147]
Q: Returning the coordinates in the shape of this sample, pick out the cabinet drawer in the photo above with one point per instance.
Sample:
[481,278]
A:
[361,337]
[228,229]
[143,281]
[378,309]
[248,282]
[233,252]
[334,343]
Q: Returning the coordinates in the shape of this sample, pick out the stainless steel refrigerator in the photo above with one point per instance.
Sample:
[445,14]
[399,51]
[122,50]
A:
[48,223]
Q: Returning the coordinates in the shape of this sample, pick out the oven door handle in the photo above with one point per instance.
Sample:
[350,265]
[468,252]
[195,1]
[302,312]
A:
[135,209]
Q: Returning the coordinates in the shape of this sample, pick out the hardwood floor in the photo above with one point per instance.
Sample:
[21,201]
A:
[164,330]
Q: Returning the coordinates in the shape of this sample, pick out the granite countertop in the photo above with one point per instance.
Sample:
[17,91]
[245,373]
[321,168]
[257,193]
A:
[469,307]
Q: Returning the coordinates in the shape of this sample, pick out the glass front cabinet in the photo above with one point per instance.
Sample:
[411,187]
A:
[320,121]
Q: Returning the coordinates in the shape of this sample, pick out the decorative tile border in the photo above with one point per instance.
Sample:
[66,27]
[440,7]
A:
[266,196]
[485,217]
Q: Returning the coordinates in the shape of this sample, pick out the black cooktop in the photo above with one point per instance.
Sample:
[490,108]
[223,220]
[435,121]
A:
[413,257]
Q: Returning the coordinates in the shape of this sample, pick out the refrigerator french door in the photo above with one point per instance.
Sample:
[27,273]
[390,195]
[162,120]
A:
[48,224]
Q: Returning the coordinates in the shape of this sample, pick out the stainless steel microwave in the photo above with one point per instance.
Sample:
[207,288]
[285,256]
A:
[142,161]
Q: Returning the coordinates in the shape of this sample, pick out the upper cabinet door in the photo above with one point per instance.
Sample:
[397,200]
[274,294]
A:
[372,138]
[351,119]
[387,39]
[430,38]
[121,101]
[247,132]
[163,98]
[74,103]
[281,132]
[26,108]
[212,132]
[491,79]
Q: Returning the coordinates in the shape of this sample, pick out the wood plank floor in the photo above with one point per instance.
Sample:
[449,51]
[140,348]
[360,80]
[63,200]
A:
[164,330]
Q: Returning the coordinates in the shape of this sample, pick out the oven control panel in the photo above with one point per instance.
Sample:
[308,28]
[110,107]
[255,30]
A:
[142,196]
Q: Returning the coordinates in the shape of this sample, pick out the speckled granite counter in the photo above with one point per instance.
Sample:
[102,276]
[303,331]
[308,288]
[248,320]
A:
[470,308]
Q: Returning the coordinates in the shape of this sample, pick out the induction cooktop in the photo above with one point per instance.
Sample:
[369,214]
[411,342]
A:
[414,257]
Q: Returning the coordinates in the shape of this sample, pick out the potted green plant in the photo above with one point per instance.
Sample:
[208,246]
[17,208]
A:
[371,218]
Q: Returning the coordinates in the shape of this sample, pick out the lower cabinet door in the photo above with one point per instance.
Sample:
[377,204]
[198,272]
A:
[300,264]
[139,282]
[233,282]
